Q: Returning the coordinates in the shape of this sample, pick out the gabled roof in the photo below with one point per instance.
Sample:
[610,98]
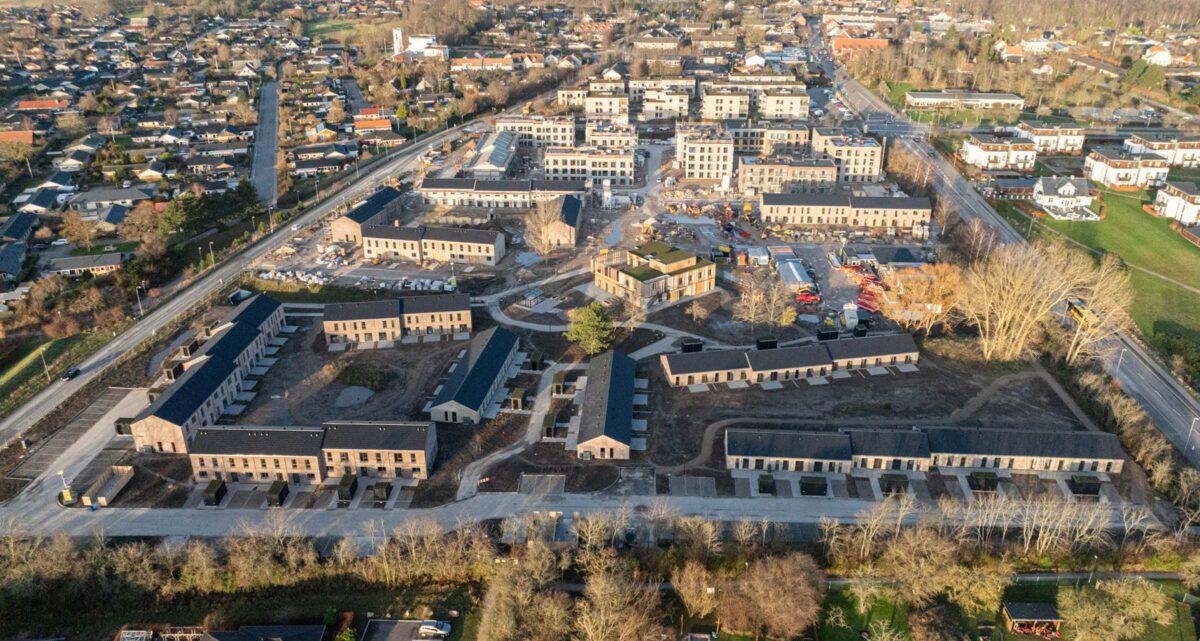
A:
[826,446]
[255,441]
[483,363]
[376,435]
[870,346]
[607,408]
[996,442]
[18,226]
[373,205]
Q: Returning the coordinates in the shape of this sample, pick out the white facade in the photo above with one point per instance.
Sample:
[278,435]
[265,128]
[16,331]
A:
[1125,170]
[1179,201]
[1052,139]
[1062,193]
[987,152]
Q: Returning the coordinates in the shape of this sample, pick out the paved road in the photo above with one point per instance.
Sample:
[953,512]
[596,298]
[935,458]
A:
[207,286]
[266,144]
[1170,406]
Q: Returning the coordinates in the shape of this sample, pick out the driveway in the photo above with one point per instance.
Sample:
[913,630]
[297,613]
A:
[266,144]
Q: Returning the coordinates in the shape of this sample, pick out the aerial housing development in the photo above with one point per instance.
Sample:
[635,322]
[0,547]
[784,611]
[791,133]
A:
[470,320]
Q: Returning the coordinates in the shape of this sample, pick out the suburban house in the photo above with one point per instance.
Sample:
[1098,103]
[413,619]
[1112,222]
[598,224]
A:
[1179,201]
[1051,138]
[476,381]
[949,449]
[652,273]
[1063,197]
[375,209]
[392,320]
[788,363]
[568,213]
[94,264]
[606,416]
[439,244]
[203,380]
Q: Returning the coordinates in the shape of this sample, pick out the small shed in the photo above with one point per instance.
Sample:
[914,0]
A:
[983,482]
[347,486]
[277,494]
[1040,619]
[214,492]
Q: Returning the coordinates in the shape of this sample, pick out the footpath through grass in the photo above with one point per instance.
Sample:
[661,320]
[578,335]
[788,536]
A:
[1160,307]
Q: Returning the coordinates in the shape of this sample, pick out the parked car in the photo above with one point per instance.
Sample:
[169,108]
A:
[59,242]
[70,373]
[433,629]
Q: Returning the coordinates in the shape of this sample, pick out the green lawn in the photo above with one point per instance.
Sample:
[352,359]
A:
[1186,175]
[897,91]
[1140,240]
[338,29]
[1183,629]
[896,616]
[26,377]
[296,292]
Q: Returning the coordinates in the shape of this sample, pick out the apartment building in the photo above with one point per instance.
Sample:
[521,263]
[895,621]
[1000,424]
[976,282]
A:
[1179,201]
[639,88]
[725,104]
[476,381]
[897,215]
[1114,167]
[205,376]
[302,456]
[949,449]
[990,152]
[653,273]
[784,104]
[606,105]
[594,164]
[377,208]
[704,152]
[435,244]
[786,175]
[570,98]
[606,133]
[859,157]
[769,137]
[393,319]
[1178,149]
[495,194]
[756,86]
[788,363]
[539,131]
[1051,138]
[606,85]
[959,99]
[665,104]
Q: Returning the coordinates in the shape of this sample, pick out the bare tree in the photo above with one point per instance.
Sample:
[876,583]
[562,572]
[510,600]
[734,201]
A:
[541,224]
[923,298]
[695,587]
[1106,294]
[614,608]
[780,595]
[77,230]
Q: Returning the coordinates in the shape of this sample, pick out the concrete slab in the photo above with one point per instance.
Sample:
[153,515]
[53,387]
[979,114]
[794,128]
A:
[249,385]
[878,371]
[637,444]
[259,371]
[245,397]
[366,345]
[386,344]
[431,338]
[462,336]
[840,374]
[277,341]
[639,425]
[784,488]
[817,380]
[737,384]
[641,383]
[542,484]
[906,368]
[267,362]
[234,409]
[771,385]
[696,388]
[410,340]
[271,351]
[641,399]
[337,347]
[741,488]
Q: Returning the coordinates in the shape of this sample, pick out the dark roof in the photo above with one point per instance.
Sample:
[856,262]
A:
[1191,189]
[694,362]
[788,358]
[607,408]
[569,208]
[376,435]
[1032,611]
[450,184]
[190,390]
[827,446]
[373,206]
[1081,445]
[903,443]
[483,363]
[19,226]
[362,310]
[255,310]
[568,186]
[461,235]
[12,256]
[435,303]
[391,232]
[870,346]
[263,441]
[854,202]
[67,263]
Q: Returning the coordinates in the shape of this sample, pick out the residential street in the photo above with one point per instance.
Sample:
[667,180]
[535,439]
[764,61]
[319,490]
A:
[266,144]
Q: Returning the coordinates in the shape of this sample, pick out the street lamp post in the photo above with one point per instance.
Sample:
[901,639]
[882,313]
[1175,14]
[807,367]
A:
[137,292]
[45,368]
[1191,430]
[1121,357]
[211,259]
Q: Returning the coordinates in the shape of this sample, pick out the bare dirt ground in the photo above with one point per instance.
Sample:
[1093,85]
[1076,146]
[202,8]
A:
[302,387]
[717,322]
[942,392]
[552,458]
[159,480]
[458,445]
[558,349]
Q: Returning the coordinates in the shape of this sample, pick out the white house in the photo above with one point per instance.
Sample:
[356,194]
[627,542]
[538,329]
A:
[1179,201]
[1064,197]
[1115,167]
[990,152]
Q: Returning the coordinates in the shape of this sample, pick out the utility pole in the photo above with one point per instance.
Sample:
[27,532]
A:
[46,369]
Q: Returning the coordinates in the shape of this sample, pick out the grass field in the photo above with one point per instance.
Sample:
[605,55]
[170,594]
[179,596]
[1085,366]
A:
[339,29]
[1183,629]
[26,376]
[1140,240]
[895,616]
[297,292]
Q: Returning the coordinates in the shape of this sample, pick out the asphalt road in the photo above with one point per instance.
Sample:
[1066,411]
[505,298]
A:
[266,144]
[206,287]
[1172,408]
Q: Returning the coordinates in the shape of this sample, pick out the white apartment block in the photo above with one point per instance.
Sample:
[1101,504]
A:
[1179,201]
[725,104]
[1115,167]
[859,157]
[664,104]
[590,163]
[990,152]
[1051,138]
[786,175]
[571,98]
[606,105]
[606,133]
[1180,151]
[640,87]
[539,131]
[704,152]
[783,104]
[769,137]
